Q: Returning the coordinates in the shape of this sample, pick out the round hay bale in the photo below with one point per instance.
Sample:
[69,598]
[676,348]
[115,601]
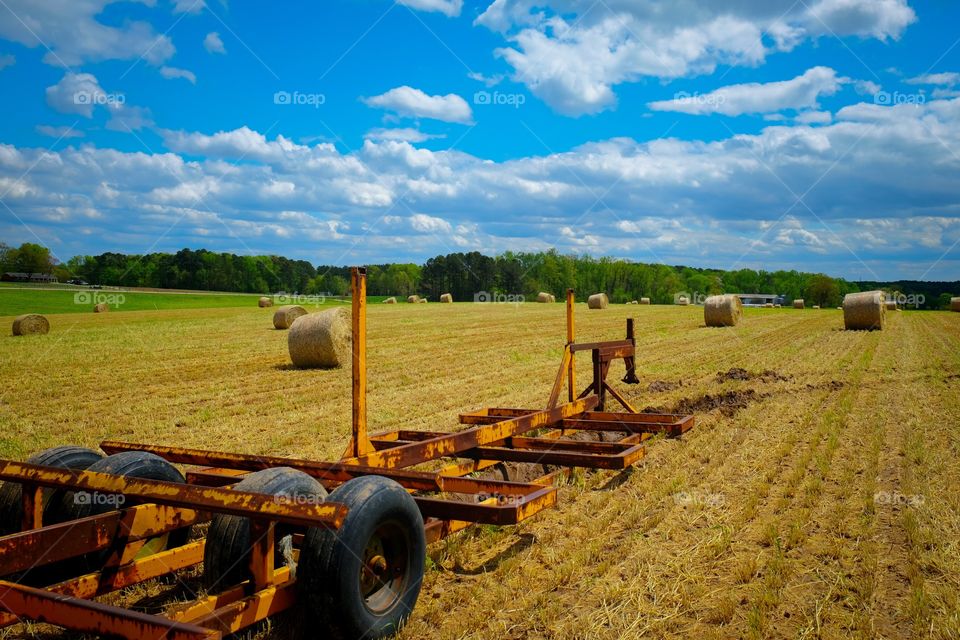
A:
[414,299]
[320,340]
[798,303]
[722,311]
[768,305]
[954,304]
[284,316]
[816,306]
[683,301]
[101,307]
[891,305]
[644,300]
[864,311]
[634,302]
[30,324]
[422,300]
[264,301]
[598,301]
[777,306]
[446,297]
[553,298]
[390,300]
[543,296]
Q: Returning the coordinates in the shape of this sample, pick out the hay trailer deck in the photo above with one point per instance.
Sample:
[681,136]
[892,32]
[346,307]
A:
[342,543]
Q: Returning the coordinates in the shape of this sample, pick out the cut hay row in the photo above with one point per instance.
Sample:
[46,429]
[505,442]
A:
[30,324]
[320,340]
[864,311]
[722,311]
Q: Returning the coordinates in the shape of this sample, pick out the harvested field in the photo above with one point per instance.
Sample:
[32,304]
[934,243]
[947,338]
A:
[816,497]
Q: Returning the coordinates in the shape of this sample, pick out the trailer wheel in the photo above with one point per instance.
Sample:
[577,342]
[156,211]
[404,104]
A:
[227,552]
[362,580]
[129,464]
[11,493]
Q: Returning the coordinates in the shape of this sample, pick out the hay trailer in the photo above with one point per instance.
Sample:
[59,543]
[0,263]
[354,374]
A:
[340,543]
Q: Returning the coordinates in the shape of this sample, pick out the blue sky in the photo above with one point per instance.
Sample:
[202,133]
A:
[819,135]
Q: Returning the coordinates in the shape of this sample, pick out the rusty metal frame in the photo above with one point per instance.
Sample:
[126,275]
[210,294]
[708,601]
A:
[439,468]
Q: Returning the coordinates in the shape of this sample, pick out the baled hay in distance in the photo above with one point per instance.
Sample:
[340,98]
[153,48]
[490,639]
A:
[768,305]
[284,316]
[598,301]
[30,324]
[543,296]
[954,304]
[816,306]
[422,300]
[683,301]
[446,297]
[722,311]
[320,340]
[101,307]
[644,300]
[413,299]
[891,305]
[798,304]
[634,302]
[390,300]
[553,298]
[264,301]
[865,310]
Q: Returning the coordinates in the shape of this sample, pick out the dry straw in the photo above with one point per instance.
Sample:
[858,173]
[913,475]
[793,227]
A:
[30,324]
[320,339]
[264,301]
[284,316]
[390,300]
[598,301]
[543,296]
[864,311]
[954,304]
[722,311]
[644,300]
[101,307]
[798,303]
[446,297]
[414,299]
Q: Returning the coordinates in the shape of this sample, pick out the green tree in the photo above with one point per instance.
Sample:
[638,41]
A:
[33,258]
[823,291]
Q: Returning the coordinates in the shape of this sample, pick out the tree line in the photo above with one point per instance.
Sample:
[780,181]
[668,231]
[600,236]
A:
[467,276]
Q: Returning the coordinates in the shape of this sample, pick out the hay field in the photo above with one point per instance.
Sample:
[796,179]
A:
[818,496]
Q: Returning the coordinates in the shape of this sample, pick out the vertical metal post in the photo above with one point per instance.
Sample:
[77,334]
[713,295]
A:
[360,444]
[630,361]
[571,369]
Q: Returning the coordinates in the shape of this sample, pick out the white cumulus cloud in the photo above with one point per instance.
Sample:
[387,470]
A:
[213,44]
[414,103]
[450,8]
[801,92]
[171,73]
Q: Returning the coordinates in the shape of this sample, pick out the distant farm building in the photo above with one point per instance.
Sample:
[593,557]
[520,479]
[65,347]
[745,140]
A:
[11,276]
[759,299]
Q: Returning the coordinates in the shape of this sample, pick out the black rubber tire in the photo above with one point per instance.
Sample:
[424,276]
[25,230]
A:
[226,555]
[129,464]
[381,513]
[11,493]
